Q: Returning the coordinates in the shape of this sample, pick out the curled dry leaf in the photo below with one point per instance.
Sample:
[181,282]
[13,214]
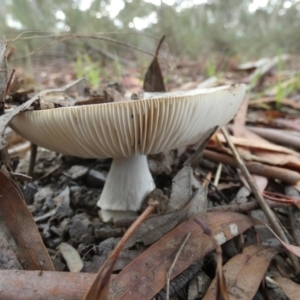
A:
[146,275]
[255,144]
[183,186]
[30,247]
[154,81]
[291,289]
[293,249]
[244,273]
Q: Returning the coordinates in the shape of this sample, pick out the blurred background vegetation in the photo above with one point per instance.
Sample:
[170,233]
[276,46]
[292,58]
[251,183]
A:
[194,28]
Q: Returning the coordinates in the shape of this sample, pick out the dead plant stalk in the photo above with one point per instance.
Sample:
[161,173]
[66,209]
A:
[260,199]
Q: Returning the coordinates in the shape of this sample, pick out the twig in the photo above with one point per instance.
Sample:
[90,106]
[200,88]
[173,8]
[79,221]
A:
[80,35]
[244,207]
[222,292]
[262,202]
[294,214]
[285,175]
[101,279]
[218,174]
[280,136]
[173,264]
[33,152]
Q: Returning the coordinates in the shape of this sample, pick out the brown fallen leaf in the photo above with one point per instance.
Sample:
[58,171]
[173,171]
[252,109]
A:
[240,119]
[31,250]
[154,81]
[255,144]
[146,275]
[289,176]
[260,181]
[244,273]
[287,137]
[266,156]
[290,288]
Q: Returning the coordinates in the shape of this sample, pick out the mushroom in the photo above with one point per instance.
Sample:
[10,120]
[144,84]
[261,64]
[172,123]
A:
[127,132]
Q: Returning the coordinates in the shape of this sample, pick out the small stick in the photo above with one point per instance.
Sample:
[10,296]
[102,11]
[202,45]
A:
[285,175]
[33,152]
[173,264]
[244,207]
[206,180]
[222,292]
[261,200]
[218,174]
[100,282]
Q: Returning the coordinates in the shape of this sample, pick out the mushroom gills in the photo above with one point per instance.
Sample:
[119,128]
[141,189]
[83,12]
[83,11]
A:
[128,182]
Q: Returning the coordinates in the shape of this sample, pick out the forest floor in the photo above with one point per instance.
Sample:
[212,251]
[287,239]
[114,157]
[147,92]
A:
[61,194]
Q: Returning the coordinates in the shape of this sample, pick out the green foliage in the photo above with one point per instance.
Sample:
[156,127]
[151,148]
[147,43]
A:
[211,67]
[193,30]
[283,89]
[85,67]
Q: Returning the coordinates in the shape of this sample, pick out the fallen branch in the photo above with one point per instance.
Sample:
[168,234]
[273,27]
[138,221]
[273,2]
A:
[285,175]
[50,285]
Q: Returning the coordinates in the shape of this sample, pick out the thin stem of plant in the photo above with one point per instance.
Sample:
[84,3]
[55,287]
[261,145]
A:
[60,37]
[218,174]
[260,199]
[174,263]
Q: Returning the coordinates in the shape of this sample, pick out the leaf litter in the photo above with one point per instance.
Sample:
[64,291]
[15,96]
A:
[68,215]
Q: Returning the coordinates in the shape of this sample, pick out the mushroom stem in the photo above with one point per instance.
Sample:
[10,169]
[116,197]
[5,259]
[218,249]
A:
[128,182]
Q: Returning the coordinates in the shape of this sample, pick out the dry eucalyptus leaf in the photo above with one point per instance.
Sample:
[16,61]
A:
[153,79]
[30,247]
[244,273]
[157,226]
[183,186]
[71,257]
[154,263]
[291,289]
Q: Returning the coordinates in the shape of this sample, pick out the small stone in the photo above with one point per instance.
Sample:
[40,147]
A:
[63,211]
[42,194]
[29,191]
[94,265]
[95,179]
[78,228]
[106,232]
[107,245]
[77,171]
[58,265]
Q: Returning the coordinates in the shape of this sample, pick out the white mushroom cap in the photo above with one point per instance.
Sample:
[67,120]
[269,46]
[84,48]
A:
[128,131]
[124,129]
